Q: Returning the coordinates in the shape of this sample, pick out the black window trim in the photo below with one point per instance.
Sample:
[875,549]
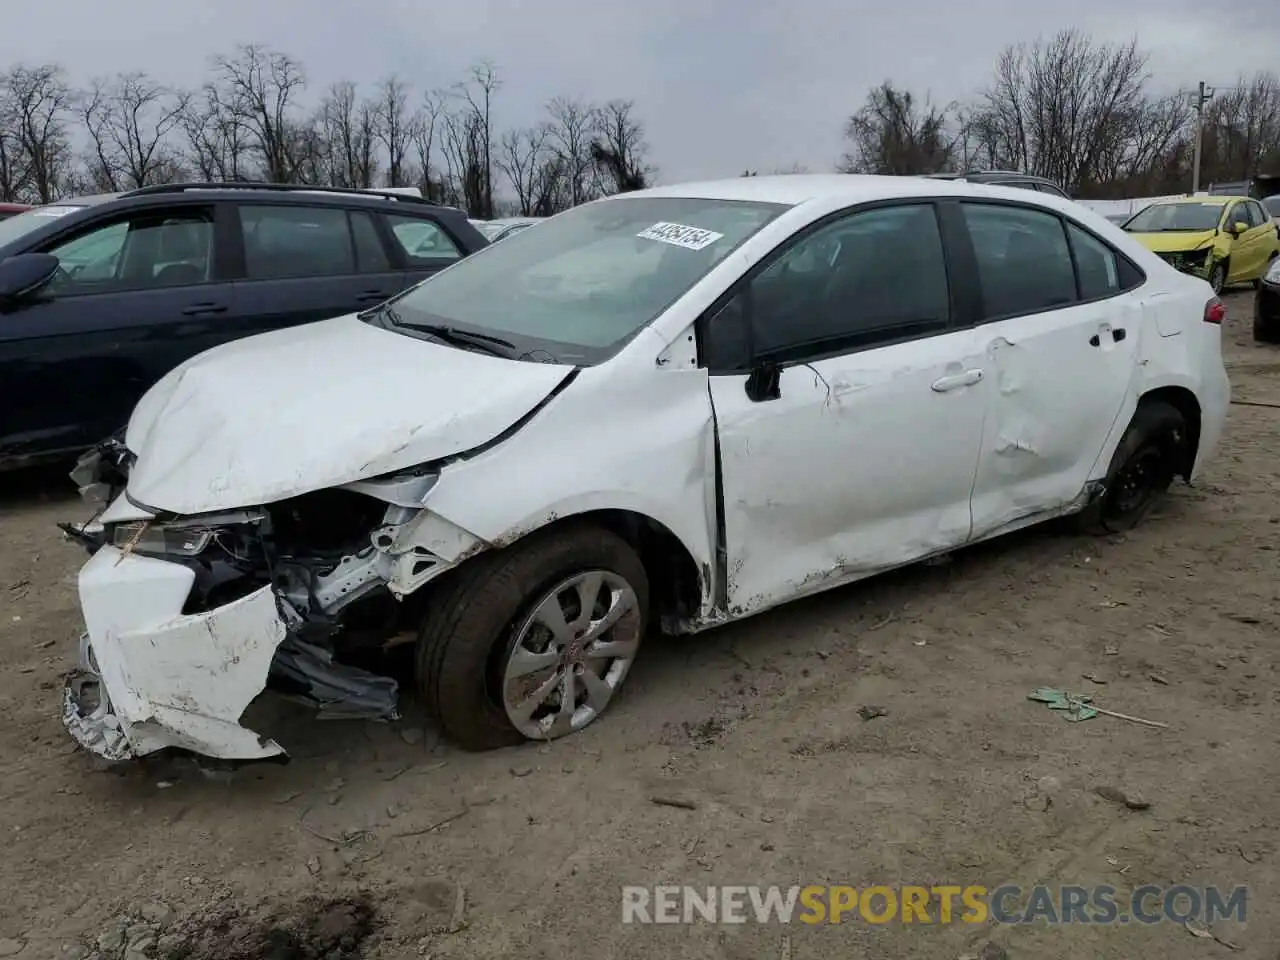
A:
[971,277]
[957,308]
[108,215]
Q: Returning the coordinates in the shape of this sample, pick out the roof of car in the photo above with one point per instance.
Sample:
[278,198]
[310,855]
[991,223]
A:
[793,189]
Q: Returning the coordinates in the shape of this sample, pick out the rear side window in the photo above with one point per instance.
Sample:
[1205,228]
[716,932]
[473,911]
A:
[296,241]
[1096,265]
[422,240]
[1024,263]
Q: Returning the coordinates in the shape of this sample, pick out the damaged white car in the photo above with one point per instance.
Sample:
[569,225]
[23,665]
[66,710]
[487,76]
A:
[680,406]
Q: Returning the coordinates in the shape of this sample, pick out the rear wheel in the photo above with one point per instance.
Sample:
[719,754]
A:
[1142,468]
[533,642]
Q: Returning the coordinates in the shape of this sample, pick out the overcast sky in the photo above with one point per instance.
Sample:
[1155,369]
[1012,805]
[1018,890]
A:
[721,85]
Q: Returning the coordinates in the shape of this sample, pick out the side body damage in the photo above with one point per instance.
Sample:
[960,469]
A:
[188,618]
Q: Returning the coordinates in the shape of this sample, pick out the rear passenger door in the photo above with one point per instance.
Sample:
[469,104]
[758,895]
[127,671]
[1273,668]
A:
[304,263]
[422,245]
[1060,317]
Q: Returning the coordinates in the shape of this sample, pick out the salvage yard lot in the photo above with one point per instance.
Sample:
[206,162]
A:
[523,852]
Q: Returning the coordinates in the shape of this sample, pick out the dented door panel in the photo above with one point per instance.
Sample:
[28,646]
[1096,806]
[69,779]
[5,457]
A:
[1059,381]
[863,463]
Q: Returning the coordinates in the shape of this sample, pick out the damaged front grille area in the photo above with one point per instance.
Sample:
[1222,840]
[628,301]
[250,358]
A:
[1192,261]
[323,555]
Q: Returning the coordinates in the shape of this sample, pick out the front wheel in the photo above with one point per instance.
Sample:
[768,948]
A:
[1142,468]
[533,642]
[1218,277]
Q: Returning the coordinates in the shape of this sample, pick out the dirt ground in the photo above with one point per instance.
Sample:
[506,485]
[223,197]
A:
[378,841]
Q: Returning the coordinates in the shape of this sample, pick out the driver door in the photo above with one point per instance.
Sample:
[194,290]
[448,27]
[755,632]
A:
[858,452]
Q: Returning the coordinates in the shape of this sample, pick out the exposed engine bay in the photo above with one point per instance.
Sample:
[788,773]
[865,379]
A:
[328,557]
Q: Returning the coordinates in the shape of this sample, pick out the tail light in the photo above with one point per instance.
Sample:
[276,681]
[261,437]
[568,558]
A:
[1215,311]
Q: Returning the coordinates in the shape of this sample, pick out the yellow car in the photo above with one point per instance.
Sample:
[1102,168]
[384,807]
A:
[1225,240]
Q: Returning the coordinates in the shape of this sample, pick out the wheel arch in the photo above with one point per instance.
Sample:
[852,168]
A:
[680,585]
[1185,402]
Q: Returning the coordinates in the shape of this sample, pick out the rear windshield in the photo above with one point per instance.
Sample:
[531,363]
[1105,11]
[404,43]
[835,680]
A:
[586,281]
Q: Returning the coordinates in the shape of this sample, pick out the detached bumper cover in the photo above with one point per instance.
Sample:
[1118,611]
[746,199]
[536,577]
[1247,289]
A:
[151,677]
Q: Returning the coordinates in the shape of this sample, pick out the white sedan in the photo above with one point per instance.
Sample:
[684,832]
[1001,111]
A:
[679,406]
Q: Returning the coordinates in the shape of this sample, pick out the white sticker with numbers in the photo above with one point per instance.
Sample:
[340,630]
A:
[679,235]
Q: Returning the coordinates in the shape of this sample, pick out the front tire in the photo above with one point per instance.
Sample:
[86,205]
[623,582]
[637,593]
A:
[1141,470]
[532,642]
[1218,277]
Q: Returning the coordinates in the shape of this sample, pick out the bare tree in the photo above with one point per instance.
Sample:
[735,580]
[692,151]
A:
[13,166]
[1056,108]
[129,121]
[893,134]
[217,137]
[1242,129]
[348,129]
[425,135]
[618,148]
[469,138]
[39,101]
[395,128]
[570,134]
[261,86]
[522,159]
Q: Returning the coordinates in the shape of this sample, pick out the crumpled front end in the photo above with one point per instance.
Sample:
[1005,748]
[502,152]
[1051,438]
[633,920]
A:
[152,677]
[188,619]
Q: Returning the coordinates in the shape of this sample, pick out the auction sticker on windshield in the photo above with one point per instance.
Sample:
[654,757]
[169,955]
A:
[679,235]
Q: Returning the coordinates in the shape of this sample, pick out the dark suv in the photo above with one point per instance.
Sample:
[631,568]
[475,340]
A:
[101,296]
[1006,178]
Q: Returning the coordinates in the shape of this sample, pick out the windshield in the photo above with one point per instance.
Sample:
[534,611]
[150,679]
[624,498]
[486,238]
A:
[582,284]
[15,227]
[1176,217]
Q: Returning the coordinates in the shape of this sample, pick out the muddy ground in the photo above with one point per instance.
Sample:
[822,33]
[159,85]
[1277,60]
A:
[378,841]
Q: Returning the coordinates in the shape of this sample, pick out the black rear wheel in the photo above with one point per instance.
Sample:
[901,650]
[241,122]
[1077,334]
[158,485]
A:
[1142,468]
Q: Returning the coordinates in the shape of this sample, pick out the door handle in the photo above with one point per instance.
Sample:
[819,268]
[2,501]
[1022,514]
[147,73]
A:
[200,309]
[1118,334]
[370,296]
[966,379]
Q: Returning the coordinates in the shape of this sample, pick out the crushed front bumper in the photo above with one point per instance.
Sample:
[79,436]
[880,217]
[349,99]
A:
[152,677]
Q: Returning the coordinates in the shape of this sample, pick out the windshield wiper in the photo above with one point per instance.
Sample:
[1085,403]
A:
[461,338]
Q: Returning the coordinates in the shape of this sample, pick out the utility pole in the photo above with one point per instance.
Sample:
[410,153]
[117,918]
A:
[1198,99]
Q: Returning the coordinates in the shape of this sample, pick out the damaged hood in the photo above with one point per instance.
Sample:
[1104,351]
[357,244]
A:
[1175,241]
[284,413]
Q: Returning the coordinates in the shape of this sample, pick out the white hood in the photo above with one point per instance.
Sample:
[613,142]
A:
[284,413]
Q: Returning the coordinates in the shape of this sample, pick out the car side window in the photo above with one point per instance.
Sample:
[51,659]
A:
[1239,213]
[1256,213]
[296,241]
[371,256]
[1024,263]
[1097,265]
[151,248]
[422,240]
[1051,190]
[868,278]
